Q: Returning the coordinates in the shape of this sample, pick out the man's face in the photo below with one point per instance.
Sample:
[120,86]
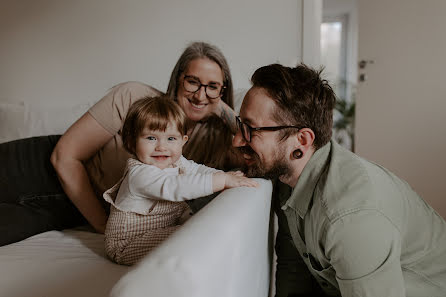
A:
[265,155]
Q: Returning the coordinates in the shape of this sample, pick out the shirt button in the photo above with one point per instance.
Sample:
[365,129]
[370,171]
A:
[305,255]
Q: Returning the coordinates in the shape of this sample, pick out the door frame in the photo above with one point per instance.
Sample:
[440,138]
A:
[311,32]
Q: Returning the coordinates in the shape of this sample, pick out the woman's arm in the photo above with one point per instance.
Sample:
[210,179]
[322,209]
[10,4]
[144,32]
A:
[81,141]
[227,114]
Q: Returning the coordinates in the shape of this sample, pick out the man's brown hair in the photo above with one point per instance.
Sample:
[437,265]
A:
[154,113]
[302,97]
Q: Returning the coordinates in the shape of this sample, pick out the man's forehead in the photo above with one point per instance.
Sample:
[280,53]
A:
[257,107]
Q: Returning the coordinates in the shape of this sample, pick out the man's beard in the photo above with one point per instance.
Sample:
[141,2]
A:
[257,169]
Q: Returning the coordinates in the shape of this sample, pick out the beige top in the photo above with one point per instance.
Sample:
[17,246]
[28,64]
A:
[106,167]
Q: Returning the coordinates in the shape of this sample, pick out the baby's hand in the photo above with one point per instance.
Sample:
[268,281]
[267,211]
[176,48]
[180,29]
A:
[237,179]
[226,180]
[236,173]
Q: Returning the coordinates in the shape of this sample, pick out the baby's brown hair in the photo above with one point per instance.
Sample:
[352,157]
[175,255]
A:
[154,113]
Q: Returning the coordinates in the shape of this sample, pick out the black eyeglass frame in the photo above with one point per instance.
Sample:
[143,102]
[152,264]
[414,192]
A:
[223,87]
[248,137]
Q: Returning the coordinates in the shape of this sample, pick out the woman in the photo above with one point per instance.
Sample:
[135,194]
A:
[89,158]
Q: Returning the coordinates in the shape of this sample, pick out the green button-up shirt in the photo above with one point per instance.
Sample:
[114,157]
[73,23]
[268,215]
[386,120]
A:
[359,230]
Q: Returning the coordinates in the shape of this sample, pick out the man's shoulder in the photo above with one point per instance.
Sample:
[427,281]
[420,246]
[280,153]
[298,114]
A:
[349,183]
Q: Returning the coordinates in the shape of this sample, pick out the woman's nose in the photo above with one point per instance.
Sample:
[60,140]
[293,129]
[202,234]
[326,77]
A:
[201,93]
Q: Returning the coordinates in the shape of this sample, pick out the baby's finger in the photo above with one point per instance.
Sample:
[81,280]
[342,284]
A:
[250,183]
[237,173]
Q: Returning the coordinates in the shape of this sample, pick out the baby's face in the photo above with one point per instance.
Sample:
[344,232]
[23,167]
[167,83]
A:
[160,148]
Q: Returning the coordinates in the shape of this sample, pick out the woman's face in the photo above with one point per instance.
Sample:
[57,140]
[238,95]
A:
[198,105]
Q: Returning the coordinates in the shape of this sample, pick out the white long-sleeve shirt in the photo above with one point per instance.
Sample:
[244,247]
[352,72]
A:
[143,184]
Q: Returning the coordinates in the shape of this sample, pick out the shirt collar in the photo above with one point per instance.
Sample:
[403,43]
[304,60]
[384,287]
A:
[302,194]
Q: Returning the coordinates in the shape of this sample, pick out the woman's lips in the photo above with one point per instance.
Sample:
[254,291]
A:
[197,105]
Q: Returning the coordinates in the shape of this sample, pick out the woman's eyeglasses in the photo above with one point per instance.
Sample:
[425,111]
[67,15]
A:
[212,90]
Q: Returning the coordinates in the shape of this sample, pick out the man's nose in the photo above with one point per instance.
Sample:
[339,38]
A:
[238,139]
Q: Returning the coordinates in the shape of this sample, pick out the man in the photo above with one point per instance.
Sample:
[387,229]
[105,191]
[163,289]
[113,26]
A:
[347,227]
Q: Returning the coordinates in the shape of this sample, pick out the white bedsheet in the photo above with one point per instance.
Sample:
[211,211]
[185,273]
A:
[68,263]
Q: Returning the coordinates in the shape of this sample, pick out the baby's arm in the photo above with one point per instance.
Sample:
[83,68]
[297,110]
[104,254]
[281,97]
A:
[192,167]
[227,180]
[220,180]
[153,183]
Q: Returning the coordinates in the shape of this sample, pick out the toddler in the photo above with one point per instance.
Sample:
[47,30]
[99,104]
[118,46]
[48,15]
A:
[148,201]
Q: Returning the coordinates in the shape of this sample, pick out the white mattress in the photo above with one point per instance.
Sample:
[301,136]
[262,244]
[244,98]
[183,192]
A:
[58,263]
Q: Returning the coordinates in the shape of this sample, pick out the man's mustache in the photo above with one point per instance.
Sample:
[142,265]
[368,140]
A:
[246,150]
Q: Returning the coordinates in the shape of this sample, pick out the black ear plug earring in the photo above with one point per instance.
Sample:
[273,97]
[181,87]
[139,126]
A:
[297,154]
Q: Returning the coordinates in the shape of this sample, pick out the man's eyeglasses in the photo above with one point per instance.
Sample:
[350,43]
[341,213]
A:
[212,90]
[247,129]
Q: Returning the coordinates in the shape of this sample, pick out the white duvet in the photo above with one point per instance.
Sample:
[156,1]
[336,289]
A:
[68,263]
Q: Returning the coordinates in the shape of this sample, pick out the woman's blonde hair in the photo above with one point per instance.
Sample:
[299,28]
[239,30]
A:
[211,143]
[154,113]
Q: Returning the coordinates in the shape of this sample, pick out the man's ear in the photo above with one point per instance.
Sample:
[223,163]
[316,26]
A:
[185,138]
[305,139]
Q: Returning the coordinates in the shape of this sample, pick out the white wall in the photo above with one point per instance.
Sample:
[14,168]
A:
[401,107]
[75,50]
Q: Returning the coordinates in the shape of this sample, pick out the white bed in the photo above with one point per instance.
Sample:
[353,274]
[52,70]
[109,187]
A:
[223,250]
[58,263]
